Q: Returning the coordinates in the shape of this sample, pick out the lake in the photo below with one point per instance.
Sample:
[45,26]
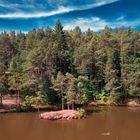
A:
[107,123]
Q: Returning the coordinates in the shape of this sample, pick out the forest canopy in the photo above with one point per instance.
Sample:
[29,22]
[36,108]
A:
[53,66]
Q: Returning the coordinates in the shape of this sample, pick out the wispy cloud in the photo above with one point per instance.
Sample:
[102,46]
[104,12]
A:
[36,15]
[60,10]
[97,24]
[96,4]
[9,5]
[94,23]
[120,18]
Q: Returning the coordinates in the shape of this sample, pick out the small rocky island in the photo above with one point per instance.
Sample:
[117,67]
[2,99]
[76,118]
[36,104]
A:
[62,115]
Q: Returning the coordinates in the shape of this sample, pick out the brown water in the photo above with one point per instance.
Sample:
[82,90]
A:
[112,123]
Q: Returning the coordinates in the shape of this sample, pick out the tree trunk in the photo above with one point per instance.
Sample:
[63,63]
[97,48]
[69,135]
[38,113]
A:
[68,106]
[62,102]
[18,99]
[72,106]
[1,99]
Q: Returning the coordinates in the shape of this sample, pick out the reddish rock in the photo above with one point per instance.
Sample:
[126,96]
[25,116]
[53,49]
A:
[57,115]
[133,103]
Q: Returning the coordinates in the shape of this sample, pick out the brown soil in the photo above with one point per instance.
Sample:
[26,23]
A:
[9,102]
[99,103]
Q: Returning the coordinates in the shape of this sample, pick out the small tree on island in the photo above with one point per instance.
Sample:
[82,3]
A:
[59,85]
[71,90]
[65,86]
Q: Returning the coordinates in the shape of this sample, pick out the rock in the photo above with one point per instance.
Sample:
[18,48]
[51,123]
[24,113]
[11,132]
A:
[133,103]
[57,115]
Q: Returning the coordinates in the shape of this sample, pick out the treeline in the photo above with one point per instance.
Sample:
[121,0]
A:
[54,66]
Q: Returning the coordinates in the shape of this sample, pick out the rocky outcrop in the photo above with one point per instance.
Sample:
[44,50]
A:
[134,103]
[57,115]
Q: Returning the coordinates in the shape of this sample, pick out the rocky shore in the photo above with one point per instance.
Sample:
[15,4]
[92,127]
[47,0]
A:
[133,103]
[128,103]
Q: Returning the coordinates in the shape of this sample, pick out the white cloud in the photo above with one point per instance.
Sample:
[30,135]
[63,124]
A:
[120,18]
[97,24]
[96,4]
[9,5]
[94,23]
[36,15]
[60,10]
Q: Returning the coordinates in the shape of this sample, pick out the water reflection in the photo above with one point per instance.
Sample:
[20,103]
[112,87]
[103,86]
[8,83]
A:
[108,123]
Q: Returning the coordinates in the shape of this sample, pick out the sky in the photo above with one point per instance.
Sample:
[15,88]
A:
[25,15]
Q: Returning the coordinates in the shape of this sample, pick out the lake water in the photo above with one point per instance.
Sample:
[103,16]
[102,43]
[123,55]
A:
[112,123]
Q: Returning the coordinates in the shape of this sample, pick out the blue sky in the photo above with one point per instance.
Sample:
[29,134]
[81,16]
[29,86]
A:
[25,15]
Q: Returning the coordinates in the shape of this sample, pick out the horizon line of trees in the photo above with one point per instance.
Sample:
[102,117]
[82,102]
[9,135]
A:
[54,66]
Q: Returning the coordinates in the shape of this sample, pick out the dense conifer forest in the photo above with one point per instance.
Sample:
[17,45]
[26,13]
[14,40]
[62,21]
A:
[56,66]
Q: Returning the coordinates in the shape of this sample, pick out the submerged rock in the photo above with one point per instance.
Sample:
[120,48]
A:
[63,114]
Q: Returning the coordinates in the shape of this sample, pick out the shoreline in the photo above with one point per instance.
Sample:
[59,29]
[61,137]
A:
[31,109]
[129,103]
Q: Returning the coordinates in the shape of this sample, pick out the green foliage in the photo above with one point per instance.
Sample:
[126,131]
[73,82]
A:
[71,89]
[28,101]
[49,66]
[60,85]
[100,96]
[85,88]
[81,112]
